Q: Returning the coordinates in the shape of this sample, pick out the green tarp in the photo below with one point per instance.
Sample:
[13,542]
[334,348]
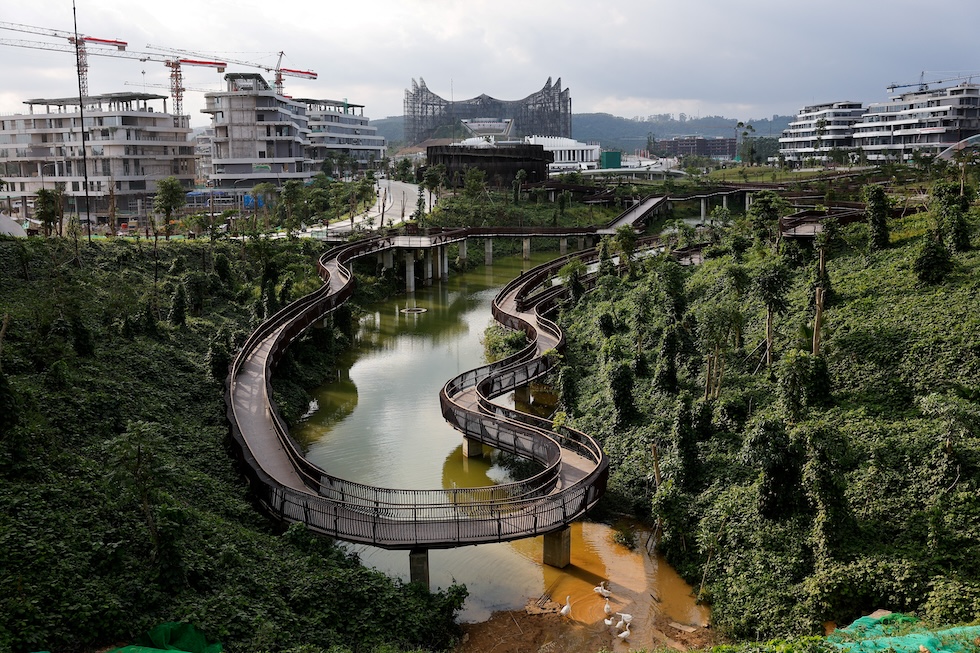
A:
[172,636]
[900,634]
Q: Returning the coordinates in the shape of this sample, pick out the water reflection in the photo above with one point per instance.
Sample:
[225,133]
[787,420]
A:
[380,423]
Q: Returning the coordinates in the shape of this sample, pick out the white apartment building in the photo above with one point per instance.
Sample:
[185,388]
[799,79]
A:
[818,129]
[924,121]
[340,128]
[259,135]
[131,143]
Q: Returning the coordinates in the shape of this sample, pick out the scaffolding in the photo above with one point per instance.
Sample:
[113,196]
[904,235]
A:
[547,112]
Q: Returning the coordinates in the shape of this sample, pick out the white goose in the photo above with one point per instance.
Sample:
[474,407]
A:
[567,608]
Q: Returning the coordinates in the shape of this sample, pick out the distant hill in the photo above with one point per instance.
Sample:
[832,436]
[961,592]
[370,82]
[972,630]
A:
[627,134]
[392,128]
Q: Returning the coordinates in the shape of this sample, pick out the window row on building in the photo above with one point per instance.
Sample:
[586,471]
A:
[131,143]
[913,123]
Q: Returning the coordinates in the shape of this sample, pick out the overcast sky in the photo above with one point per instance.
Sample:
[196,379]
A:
[745,59]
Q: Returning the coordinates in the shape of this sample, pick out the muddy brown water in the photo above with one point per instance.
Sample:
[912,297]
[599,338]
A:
[378,422]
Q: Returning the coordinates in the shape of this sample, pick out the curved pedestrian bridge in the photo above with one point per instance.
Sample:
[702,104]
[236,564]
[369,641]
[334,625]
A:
[573,468]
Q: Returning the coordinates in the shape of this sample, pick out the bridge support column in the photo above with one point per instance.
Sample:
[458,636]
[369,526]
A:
[558,548]
[704,209]
[472,448]
[410,270]
[581,243]
[724,201]
[388,260]
[427,269]
[527,249]
[418,567]
[444,262]
[488,251]
[462,250]
[563,246]
[748,200]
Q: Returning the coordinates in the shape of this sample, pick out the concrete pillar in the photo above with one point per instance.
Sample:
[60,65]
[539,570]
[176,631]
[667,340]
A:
[581,243]
[462,250]
[418,567]
[444,259]
[724,201]
[748,200]
[704,208]
[409,270]
[388,259]
[558,548]
[472,448]
[427,267]
[527,249]
[488,251]
[563,246]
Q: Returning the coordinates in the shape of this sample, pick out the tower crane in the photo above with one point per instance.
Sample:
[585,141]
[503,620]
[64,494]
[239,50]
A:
[80,41]
[279,71]
[924,85]
[175,64]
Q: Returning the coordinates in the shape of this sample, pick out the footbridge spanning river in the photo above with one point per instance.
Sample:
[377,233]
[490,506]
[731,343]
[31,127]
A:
[573,467]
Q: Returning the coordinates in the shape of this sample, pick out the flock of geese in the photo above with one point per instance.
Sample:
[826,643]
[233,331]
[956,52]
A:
[622,625]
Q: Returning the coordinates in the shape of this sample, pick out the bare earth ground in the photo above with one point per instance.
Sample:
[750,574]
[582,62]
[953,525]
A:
[520,632]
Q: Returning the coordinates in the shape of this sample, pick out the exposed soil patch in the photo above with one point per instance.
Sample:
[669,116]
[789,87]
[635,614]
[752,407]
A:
[520,632]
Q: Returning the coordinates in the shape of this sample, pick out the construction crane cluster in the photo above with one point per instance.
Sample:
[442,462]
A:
[83,46]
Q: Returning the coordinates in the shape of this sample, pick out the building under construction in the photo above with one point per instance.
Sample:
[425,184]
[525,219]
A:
[545,113]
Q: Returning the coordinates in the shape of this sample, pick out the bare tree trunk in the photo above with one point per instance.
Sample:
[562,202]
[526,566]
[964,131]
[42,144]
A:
[768,337]
[817,320]
[707,377]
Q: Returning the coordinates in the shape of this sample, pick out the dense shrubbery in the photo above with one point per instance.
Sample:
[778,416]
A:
[122,506]
[823,487]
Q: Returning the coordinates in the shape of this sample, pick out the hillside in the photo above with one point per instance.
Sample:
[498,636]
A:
[824,487]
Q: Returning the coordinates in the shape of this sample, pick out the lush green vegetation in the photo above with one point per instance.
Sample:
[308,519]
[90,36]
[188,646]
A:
[841,478]
[122,503]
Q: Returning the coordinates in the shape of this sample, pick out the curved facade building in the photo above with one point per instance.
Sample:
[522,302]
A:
[545,113]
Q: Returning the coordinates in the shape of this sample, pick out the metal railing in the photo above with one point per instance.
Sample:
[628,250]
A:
[441,518]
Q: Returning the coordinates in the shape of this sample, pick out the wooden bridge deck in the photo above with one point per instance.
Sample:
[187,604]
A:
[293,489]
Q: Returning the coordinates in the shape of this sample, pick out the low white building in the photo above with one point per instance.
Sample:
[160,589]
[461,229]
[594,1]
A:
[570,154]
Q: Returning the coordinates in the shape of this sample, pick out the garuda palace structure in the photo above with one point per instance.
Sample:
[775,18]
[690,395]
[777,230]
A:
[545,113]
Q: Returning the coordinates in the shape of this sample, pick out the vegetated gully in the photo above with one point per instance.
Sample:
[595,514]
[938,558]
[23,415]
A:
[379,423]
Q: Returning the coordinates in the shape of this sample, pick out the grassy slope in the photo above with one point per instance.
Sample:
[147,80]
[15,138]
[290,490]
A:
[77,553]
[901,527]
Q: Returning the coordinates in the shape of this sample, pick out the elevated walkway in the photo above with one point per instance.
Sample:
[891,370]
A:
[574,468]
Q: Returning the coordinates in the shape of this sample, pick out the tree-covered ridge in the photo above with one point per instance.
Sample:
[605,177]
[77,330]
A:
[123,506]
[841,478]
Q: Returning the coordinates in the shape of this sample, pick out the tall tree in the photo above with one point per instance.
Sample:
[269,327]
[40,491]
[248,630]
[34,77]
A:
[772,282]
[46,209]
[876,211]
[764,214]
[624,241]
[170,197]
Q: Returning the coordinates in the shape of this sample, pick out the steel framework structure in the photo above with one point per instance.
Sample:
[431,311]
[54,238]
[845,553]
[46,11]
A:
[547,112]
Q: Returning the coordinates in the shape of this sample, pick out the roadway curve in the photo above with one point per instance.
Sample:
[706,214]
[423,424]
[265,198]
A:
[292,489]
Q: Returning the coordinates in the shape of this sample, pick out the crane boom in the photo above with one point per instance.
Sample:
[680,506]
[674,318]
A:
[174,63]
[924,85]
[78,46]
[277,69]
